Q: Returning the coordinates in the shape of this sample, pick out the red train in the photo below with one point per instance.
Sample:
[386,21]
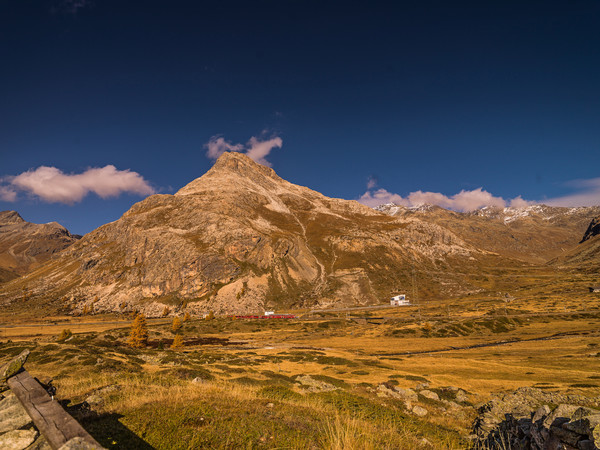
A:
[269,316]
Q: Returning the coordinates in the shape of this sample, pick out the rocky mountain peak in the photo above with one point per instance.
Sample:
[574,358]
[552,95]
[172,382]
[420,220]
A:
[232,166]
[10,217]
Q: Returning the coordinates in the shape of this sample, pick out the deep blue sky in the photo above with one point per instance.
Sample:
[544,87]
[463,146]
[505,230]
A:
[426,95]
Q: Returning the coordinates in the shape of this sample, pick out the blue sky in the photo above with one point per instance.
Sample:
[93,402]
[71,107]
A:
[433,97]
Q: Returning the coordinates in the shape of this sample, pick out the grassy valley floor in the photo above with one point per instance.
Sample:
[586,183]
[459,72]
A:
[321,381]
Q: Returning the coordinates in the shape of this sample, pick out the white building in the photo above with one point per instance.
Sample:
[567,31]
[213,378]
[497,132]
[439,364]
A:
[399,300]
[269,313]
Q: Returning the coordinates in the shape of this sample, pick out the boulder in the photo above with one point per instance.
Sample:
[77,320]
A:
[17,439]
[430,395]
[461,396]
[12,415]
[388,390]
[541,413]
[419,411]
[562,413]
[13,367]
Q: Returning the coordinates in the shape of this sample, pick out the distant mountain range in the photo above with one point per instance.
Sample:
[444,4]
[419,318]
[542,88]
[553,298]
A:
[24,245]
[241,239]
[533,234]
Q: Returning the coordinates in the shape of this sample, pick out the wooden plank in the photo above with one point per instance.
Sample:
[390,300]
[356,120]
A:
[52,421]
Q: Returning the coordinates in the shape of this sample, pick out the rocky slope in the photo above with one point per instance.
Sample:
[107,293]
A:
[533,234]
[24,246]
[241,239]
[586,255]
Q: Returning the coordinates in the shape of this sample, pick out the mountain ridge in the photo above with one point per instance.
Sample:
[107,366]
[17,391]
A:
[24,245]
[533,234]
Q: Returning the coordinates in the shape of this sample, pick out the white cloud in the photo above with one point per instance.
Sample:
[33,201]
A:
[519,202]
[218,145]
[259,150]
[463,201]
[588,195]
[52,185]
[371,183]
[7,194]
[378,197]
[256,149]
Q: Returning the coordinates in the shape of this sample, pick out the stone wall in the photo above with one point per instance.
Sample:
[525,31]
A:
[530,418]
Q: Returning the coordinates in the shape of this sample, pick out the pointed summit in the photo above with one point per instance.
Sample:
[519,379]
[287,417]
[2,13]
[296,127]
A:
[232,167]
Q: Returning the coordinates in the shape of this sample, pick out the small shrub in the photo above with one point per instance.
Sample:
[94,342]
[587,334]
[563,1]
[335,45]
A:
[64,335]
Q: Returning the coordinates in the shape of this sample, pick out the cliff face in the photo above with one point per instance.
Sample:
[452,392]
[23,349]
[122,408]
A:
[241,239]
[24,246]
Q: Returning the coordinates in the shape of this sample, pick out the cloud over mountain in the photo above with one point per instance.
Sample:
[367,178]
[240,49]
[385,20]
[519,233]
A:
[588,194]
[52,185]
[463,201]
[255,148]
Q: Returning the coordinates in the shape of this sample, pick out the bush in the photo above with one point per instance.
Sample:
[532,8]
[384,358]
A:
[64,335]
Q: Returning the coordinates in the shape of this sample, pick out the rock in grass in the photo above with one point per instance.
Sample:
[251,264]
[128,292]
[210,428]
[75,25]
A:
[461,396]
[430,395]
[387,390]
[419,411]
[17,439]
[311,385]
[13,367]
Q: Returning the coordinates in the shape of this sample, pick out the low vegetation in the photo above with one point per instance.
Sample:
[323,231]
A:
[320,382]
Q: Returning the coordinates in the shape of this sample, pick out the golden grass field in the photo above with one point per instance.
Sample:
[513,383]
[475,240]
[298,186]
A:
[247,392]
